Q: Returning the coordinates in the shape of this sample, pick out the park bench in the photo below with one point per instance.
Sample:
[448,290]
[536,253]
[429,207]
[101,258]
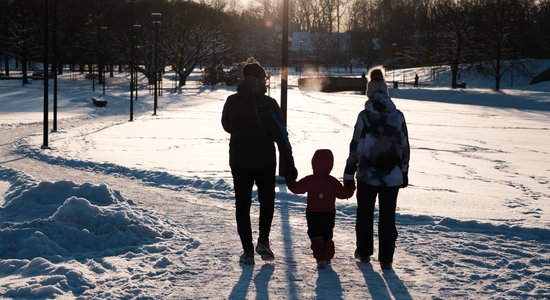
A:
[99,102]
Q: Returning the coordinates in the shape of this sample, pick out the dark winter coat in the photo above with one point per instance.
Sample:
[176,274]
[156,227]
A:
[255,123]
[379,150]
[322,189]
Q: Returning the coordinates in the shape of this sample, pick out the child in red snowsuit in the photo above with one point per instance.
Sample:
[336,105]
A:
[322,190]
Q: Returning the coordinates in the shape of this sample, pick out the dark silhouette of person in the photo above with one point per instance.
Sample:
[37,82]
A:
[255,123]
[364,80]
[379,159]
[322,190]
[416,80]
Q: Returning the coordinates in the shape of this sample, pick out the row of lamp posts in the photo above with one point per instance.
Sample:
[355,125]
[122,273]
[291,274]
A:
[133,71]
[133,75]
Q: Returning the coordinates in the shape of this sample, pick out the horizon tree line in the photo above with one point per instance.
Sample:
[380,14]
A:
[408,33]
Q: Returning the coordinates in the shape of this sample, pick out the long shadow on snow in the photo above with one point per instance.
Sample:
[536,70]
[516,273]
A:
[261,281]
[328,285]
[388,286]
[240,289]
[290,260]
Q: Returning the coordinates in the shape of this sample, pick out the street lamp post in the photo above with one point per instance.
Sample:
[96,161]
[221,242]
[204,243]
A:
[132,60]
[101,56]
[284,73]
[393,64]
[45,66]
[156,21]
[137,27]
[94,59]
[301,58]
[55,66]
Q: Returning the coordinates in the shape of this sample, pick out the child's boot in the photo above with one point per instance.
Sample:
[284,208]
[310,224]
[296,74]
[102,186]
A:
[328,250]
[317,245]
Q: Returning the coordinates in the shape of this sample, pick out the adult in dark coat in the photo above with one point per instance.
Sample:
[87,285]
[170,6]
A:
[255,123]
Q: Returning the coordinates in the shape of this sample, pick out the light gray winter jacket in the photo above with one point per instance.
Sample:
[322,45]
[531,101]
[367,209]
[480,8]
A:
[379,150]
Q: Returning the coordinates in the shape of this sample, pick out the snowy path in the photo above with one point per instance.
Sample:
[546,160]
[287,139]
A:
[435,258]
[210,262]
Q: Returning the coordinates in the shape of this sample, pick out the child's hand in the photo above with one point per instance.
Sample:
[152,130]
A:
[349,184]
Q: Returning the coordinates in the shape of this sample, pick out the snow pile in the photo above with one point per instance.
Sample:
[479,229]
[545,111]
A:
[50,279]
[47,225]
[64,218]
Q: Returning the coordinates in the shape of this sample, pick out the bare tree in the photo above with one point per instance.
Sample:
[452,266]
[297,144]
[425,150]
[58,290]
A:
[497,40]
[362,16]
[220,5]
[191,45]
[319,15]
[23,36]
[450,39]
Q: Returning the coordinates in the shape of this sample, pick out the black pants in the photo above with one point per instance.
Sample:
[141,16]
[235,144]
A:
[243,181]
[320,227]
[320,224]
[387,232]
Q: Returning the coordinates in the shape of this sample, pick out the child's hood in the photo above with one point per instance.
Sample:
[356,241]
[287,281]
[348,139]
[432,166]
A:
[322,162]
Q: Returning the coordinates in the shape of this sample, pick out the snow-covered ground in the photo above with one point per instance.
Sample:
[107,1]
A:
[144,209]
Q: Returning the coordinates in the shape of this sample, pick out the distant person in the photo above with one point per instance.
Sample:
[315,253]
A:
[379,159]
[322,190]
[254,121]
[364,78]
[416,80]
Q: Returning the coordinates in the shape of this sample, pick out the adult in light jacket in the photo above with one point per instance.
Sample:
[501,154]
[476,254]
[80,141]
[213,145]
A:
[379,160]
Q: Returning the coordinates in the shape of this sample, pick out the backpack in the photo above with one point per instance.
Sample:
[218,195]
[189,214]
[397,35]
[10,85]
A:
[380,142]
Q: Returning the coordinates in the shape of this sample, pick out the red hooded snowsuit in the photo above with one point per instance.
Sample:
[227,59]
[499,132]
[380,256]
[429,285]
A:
[322,190]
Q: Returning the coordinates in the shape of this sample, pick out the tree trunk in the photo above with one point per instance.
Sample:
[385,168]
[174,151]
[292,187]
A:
[7,65]
[498,72]
[182,80]
[454,73]
[24,70]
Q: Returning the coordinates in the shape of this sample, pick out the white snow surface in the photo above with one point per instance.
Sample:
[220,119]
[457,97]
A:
[145,209]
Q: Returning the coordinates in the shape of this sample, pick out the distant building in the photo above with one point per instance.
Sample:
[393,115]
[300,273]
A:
[335,47]
[317,47]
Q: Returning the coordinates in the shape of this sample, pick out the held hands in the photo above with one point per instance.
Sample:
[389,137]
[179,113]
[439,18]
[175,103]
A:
[291,174]
[349,184]
[349,187]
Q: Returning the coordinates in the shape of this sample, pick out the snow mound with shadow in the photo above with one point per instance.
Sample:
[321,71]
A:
[61,233]
[60,219]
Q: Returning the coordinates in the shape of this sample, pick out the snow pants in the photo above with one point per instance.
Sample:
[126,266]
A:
[243,181]
[387,232]
[320,226]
